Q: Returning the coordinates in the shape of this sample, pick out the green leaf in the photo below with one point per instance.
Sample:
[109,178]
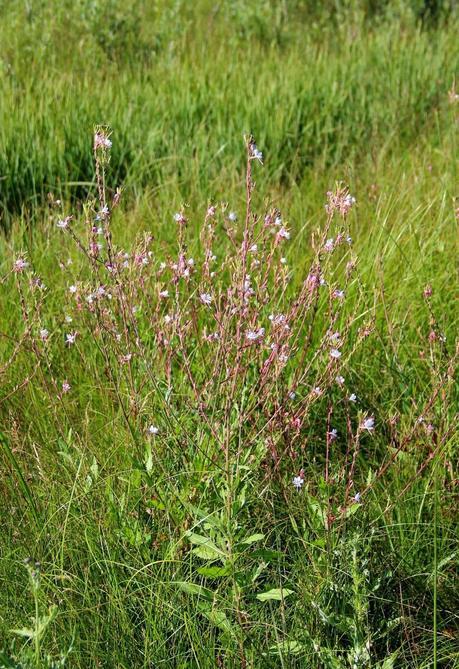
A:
[24,631]
[276,594]
[155,503]
[210,550]
[252,539]
[148,459]
[350,510]
[266,554]
[207,553]
[291,647]
[214,572]
[217,618]
[194,589]
[388,663]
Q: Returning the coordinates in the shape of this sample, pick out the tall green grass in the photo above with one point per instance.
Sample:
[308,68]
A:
[181,86]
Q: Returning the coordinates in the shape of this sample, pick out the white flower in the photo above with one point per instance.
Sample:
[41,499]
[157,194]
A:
[353,398]
[73,289]
[255,153]
[335,353]
[339,380]
[284,233]
[298,482]
[339,294]
[65,387]
[206,298]
[333,434]
[253,248]
[253,335]
[44,334]
[283,261]
[68,319]
[292,395]
[70,338]
[164,293]
[368,424]
[329,245]
[152,429]
[179,218]
[278,221]
[277,319]
[357,497]
[349,201]
[232,216]
[63,222]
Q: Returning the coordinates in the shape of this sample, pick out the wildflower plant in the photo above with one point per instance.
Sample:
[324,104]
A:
[232,366]
[255,352]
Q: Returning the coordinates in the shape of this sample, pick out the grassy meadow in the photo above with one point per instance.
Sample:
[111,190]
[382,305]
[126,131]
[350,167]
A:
[228,334]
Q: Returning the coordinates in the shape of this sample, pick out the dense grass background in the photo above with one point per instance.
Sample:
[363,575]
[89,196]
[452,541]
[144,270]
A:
[355,91]
[180,84]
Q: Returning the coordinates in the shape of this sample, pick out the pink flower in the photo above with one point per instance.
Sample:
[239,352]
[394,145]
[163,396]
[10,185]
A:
[427,292]
[101,141]
[20,264]
[283,233]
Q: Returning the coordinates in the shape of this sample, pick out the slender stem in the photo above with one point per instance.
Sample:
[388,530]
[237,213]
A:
[37,625]
[435,572]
